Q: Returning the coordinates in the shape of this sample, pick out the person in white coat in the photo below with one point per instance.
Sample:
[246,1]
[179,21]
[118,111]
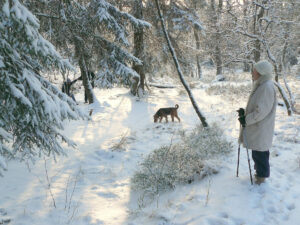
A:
[259,119]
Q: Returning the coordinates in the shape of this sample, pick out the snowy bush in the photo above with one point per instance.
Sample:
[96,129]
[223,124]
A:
[194,157]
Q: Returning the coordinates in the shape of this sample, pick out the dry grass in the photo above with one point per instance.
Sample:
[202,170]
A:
[121,144]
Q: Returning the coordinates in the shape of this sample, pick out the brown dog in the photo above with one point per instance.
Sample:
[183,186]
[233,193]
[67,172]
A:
[164,112]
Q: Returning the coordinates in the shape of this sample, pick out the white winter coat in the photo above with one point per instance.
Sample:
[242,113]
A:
[260,115]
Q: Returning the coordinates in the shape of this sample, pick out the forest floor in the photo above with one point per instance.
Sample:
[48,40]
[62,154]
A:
[91,186]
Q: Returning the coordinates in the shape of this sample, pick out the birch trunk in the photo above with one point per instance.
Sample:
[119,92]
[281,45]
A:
[201,117]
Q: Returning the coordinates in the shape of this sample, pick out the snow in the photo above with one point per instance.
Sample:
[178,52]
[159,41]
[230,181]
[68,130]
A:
[108,13]
[5,8]
[22,13]
[18,94]
[92,185]
[2,164]
[4,134]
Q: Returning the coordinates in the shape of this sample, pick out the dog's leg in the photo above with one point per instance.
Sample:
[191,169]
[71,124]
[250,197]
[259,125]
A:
[176,115]
[160,119]
[172,116]
[166,118]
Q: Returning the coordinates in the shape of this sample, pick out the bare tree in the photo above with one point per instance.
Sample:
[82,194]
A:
[266,36]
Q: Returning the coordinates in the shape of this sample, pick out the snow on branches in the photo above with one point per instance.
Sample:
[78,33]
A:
[32,109]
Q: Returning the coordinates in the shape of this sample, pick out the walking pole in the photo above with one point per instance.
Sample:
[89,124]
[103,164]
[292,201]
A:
[239,149]
[238,161]
[241,112]
[246,144]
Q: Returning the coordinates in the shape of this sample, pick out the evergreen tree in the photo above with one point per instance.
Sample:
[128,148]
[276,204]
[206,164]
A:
[97,32]
[32,109]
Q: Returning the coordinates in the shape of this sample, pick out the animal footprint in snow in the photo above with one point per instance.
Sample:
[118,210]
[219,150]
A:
[291,206]
[223,214]
[272,209]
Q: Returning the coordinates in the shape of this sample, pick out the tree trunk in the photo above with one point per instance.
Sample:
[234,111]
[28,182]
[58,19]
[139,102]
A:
[282,69]
[139,47]
[198,59]
[245,14]
[291,97]
[281,91]
[218,58]
[134,85]
[201,117]
[86,83]
[285,99]
[84,73]
[218,39]
[256,23]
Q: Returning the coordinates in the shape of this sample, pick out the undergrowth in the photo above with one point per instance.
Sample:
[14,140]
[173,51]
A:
[195,156]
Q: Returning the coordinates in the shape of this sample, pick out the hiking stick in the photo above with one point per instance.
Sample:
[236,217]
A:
[238,161]
[246,144]
[241,113]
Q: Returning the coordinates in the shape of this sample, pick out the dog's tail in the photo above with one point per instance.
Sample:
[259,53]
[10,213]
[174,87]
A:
[176,106]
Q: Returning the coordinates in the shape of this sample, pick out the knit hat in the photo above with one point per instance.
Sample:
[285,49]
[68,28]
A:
[264,68]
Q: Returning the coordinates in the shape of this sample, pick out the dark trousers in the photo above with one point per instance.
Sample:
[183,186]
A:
[261,163]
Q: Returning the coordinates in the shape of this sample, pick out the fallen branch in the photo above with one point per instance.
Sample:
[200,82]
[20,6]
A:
[161,86]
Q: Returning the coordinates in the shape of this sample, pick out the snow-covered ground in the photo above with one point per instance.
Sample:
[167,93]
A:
[92,185]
